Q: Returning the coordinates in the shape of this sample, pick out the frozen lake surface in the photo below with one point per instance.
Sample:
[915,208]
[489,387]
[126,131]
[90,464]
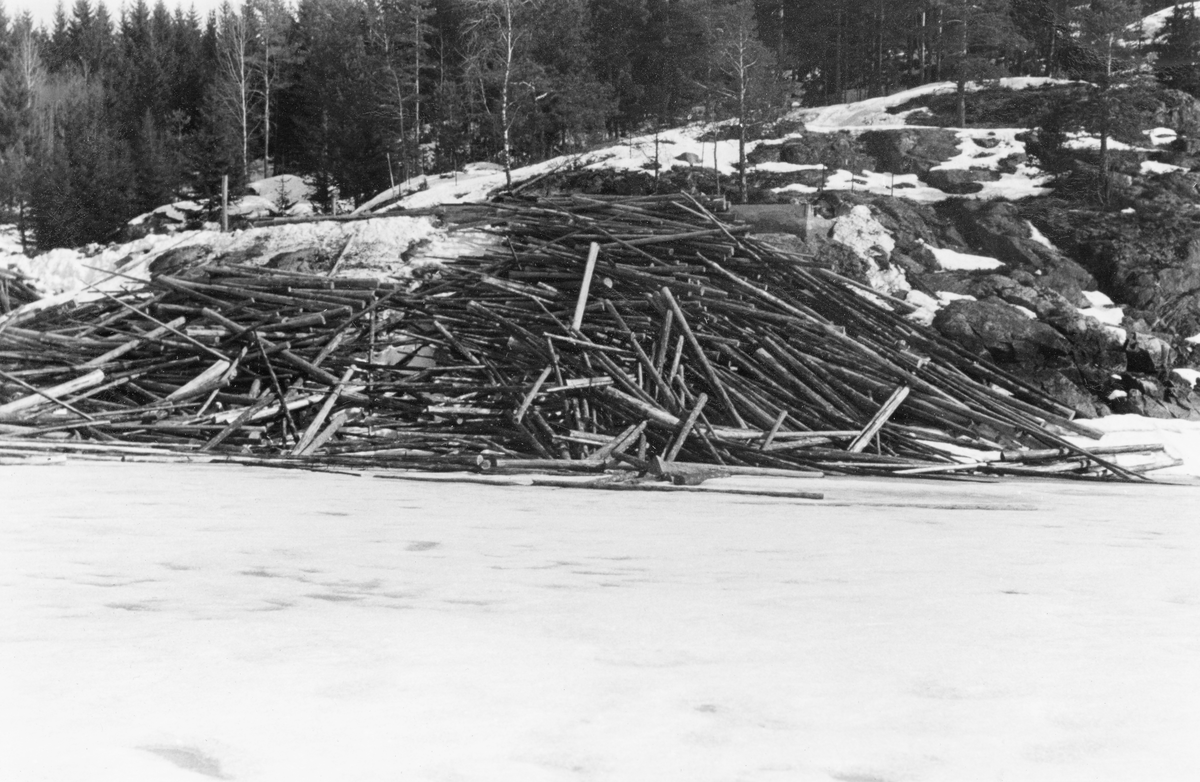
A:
[184,622]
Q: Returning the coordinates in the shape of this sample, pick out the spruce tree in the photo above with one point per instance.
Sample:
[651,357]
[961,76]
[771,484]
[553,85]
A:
[1178,50]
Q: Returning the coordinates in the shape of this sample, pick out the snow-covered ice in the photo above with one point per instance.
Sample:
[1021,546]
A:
[177,622]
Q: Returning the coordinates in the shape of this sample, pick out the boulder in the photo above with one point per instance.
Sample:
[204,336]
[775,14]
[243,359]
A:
[910,150]
[1002,332]
[179,259]
[1067,387]
[1010,163]
[956,182]
[959,181]
[309,260]
[835,150]
[1149,353]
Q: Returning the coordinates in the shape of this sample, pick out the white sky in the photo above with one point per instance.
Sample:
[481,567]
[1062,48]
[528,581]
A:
[43,10]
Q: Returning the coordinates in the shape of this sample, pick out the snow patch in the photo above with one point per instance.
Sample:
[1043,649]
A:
[873,112]
[862,233]
[1181,438]
[1190,375]
[1040,237]
[952,260]
[1160,136]
[1155,167]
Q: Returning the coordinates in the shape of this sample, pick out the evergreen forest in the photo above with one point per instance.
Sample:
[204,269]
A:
[109,112]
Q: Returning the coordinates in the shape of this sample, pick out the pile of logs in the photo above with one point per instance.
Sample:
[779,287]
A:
[644,333]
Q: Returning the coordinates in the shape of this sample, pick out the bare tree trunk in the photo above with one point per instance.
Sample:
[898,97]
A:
[509,54]
[417,87]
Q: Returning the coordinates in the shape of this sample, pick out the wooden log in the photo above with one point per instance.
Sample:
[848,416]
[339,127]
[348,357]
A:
[585,286]
[620,443]
[686,427]
[129,345]
[216,375]
[46,396]
[879,419]
[533,392]
[710,373]
[237,423]
[310,433]
[335,423]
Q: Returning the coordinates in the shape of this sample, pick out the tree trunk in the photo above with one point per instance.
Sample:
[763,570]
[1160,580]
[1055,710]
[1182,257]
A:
[742,140]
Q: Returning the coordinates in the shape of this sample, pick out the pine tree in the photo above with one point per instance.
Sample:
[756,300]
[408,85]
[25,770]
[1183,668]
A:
[1113,70]
[978,32]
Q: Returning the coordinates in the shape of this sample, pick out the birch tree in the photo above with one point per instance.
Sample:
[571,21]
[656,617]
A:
[496,41]
[749,66]
[237,85]
[273,20]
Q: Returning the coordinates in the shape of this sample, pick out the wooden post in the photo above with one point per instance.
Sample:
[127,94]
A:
[593,253]
[225,202]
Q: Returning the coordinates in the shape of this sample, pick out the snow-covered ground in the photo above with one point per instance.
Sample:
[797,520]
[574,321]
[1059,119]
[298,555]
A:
[682,148]
[1153,24]
[181,622]
[873,112]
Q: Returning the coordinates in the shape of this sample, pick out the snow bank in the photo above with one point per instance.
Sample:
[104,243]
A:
[286,189]
[387,246]
[10,242]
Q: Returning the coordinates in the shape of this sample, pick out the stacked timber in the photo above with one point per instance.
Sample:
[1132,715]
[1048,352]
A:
[639,332]
[15,290]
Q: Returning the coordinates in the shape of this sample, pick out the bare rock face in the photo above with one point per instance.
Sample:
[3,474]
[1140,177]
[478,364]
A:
[1148,260]
[998,230]
[1002,332]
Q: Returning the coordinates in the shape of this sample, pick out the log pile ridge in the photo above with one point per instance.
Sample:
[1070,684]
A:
[639,333]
